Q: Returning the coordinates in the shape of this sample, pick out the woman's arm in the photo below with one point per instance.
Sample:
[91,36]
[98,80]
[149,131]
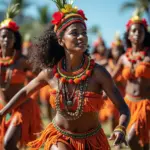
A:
[25,92]
[2,97]
[113,93]
[108,85]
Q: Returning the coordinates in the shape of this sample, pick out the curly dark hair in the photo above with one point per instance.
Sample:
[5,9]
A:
[18,37]
[46,51]
[146,40]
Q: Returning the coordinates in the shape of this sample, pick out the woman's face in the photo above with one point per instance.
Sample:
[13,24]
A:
[101,49]
[7,39]
[116,52]
[75,38]
[136,34]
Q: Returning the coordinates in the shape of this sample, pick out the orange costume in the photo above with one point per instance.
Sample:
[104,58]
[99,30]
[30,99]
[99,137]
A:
[27,115]
[139,106]
[109,108]
[80,100]
[95,139]
[44,94]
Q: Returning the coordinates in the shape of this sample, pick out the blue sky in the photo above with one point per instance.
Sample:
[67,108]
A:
[104,13]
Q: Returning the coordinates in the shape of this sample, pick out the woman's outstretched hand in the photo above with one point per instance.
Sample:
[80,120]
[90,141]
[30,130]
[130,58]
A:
[118,138]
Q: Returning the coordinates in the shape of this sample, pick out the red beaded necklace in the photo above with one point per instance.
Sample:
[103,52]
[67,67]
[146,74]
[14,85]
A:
[136,56]
[7,60]
[77,76]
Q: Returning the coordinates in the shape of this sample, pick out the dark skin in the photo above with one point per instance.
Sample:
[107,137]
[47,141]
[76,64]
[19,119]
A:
[100,50]
[116,54]
[139,86]
[7,40]
[74,41]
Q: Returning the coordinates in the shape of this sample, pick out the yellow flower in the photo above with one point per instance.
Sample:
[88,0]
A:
[68,9]
[136,18]
[5,22]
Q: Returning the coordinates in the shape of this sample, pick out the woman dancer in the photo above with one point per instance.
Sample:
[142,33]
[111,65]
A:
[77,82]
[19,126]
[136,71]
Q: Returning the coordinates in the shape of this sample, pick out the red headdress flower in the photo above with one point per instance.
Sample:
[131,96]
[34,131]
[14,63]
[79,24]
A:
[136,19]
[66,15]
[10,24]
[57,17]
[12,11]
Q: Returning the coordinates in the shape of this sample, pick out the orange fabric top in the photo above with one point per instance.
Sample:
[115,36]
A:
[18,76]
[92,101]
[141,70]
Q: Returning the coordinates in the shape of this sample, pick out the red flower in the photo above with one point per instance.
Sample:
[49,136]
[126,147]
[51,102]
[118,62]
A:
[144,22]
[80,12]
[128,24]
[12,25]
[57,17]
[133,61]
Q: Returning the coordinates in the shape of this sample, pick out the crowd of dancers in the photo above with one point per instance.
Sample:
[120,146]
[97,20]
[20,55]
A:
[79,90]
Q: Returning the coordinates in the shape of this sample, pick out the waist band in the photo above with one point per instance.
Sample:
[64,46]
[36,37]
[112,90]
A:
[135,98]
[77,135]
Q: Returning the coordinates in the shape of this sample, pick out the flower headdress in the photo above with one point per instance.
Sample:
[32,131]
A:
[117,40]
[12,11]
[136,19]
[66,15]
[98,41]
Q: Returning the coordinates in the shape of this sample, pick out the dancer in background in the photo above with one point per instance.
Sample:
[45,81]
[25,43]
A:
[110,111]
[99,53]
[21,123]
[136,71]
[61,54]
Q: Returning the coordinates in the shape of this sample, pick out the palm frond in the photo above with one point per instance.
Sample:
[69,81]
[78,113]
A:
[44,14]
[128,5]
[12,11]
[60,3]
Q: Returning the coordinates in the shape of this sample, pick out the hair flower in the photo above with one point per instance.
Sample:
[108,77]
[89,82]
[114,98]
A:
[81,12]
[9,23]
[57,17]
[68,9]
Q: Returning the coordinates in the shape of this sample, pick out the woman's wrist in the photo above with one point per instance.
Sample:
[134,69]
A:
[121,129]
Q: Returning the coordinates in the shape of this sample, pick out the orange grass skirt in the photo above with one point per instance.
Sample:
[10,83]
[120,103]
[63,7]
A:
[108,111]
[28,116]
[50,136]
[140,116]
[1,131]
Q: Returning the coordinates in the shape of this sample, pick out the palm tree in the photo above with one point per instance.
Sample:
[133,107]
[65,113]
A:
[95,29]
[141,5]
[23,4]
[44,15]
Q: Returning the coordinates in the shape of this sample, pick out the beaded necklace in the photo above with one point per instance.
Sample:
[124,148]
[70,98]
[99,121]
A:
[7,60]
[8,63]
[76,76]
[133,57]
[81,86]
[69,115]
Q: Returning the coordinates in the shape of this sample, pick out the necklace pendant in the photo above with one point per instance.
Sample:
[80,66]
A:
[69,103]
